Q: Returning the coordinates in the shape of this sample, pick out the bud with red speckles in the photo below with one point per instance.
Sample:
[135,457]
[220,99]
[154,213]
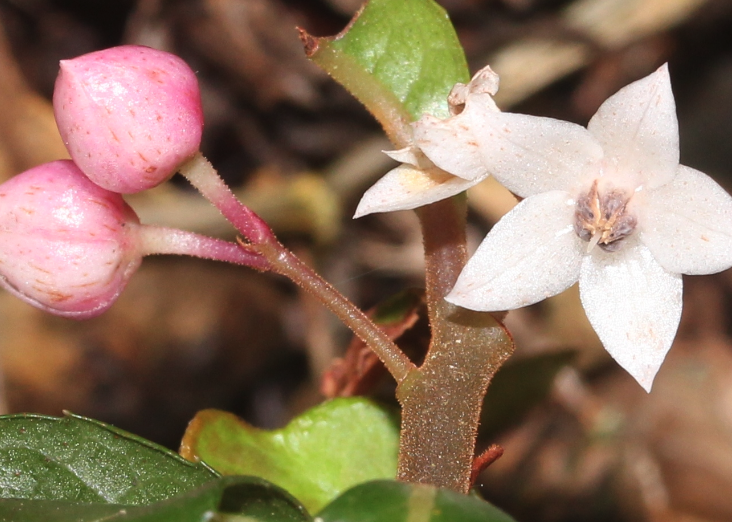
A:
[67,245]
[129,115]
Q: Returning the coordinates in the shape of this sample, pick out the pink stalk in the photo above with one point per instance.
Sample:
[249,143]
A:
[163,240]
[202,175]
[262,240]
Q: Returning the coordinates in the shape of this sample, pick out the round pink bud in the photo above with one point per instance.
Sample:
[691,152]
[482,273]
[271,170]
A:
[129,115]
[67,245]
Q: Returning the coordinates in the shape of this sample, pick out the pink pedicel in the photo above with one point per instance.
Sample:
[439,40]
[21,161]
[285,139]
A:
[129,115]
[67,246]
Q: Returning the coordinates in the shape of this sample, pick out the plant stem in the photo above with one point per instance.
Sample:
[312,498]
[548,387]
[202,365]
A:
[441,401]
[201,174]
[445,248]
[263,241]
[163,240]
[288,264]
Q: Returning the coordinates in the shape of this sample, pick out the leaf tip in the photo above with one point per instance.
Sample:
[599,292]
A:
[310,43]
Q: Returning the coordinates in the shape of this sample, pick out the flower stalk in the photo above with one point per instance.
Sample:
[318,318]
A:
[163,240]
[262,241]
[203,176]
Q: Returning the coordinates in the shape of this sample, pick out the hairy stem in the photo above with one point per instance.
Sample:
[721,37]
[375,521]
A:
[441,401]
[286,263]
[163,240]
[262,241]
[445,249]
[202,175]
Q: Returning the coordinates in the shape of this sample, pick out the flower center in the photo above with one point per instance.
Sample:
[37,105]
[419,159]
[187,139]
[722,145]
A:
[602,218]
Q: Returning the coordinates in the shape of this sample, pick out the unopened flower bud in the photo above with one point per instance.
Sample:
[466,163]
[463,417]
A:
[67,245]
[129,115]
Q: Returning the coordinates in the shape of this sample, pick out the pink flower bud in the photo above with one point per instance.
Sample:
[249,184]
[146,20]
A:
[67,245]
[129,115]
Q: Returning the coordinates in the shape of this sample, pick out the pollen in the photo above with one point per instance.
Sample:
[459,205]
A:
[602,219]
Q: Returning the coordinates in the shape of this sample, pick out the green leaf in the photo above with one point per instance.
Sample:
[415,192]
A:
[258,500]
[77,459]
[323,452]
[400,58]
[21,510]
[74,469]
[233,499]
[391,501]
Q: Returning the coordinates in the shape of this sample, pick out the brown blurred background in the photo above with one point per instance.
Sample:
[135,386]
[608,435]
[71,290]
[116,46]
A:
[583,441]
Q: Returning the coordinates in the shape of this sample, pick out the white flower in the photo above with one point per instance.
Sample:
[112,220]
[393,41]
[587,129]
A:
[418,181]
[609,206]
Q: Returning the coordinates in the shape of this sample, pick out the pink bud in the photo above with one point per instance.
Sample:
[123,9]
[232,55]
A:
[129,115]
[67,245]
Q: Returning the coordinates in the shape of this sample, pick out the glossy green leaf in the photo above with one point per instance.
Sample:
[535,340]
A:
[74,469]
[390,501]
[400,58]
[23,510]
[251,499]
[77,459]
[321,453]
[228,499]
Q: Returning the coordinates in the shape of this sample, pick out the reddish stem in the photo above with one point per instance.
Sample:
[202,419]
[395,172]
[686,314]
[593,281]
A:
[263,241]
[163,240]
[201,174]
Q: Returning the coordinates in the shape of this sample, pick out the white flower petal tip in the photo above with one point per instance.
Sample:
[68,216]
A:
[638,129]
[646,378]
[661,76]
[484,81]
[406,188]
[634,305]
[409,155]
[643,372]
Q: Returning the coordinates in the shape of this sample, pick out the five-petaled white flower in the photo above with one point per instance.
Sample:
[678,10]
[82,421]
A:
[609,206]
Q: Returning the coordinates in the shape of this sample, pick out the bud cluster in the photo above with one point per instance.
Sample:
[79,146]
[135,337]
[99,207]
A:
[129,116]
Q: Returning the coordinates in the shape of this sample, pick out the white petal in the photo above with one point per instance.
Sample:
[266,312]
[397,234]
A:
[527,154]
[451,143]
[405,188]
[484,81]
[638,129]
[532,253]
[408,155]
[634,305]
[687,224]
